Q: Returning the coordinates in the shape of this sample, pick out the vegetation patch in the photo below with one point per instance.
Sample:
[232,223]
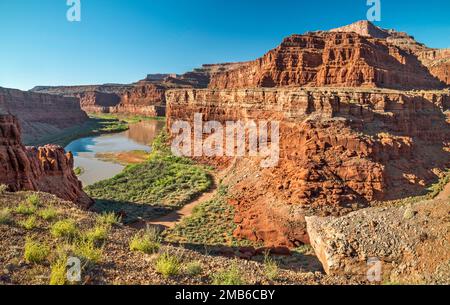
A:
[5,216]
[108,219]
[230,276]
[35,252]
[64,229]
[270,267]
[87,251]
[194,268]
[48,214]
[30,223]
[168,265]
[148,241]
[211,223]
[25,209]
[58,273]
[154,188]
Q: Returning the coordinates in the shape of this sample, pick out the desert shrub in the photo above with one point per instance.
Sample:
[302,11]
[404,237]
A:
[147,242]
[3,189]
[35,252]
[87,251]
[5,216]
[270,267]
[96,234]
[108,219]
[48,214]
[193,268]
[30,223]
[33,200]
[64,229]
[25,209]
[168,265]
[230,276]
[58,275]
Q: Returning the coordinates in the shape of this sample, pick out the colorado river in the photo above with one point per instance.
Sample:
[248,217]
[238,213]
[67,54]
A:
[85,150]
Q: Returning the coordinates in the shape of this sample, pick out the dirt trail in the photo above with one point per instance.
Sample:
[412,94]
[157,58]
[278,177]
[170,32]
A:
[171,220]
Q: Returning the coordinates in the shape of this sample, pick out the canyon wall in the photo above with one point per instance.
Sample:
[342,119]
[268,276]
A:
[47,169]
[331,59]
[41,114]
[340,150]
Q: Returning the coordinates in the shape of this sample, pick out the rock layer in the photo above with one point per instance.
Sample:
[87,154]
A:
[40,114]
[331,59]
[47,169]
[338,148]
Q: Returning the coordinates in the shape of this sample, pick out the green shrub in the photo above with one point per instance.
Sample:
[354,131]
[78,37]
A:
[270,267]
[168,265]
[48,214]
[30,223]
[147,242]
[35,252]
[25,209]
[64,229]
[96,234]
[193,268]
[108,219]
[33,200]
[86,251]
[231,276]
[3,189]
[5,216]
[58,275]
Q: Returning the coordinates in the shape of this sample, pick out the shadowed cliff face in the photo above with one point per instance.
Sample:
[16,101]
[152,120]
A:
[41,114]
[341,149]
[48,169]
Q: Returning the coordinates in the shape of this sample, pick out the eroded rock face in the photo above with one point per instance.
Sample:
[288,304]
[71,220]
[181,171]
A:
[410,242]
[40,114]
[47,169]
[331,59]
[339,151]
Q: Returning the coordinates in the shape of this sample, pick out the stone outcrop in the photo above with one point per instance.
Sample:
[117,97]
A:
[410,243]
[335,59]
[47,169]
[340,149]
[41,114]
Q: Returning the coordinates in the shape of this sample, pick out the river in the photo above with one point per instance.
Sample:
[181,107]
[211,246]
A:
[85,150]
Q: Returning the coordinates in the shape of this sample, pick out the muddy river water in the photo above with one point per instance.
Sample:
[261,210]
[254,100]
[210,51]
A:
[85,150]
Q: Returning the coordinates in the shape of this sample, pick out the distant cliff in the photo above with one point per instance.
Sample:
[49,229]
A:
[41,114]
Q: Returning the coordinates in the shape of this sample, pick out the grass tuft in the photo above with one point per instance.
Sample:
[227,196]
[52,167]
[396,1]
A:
[97,234]
[5,216]
[25,209]
[108,219]
[194,268]
[87,251]
[64,229]
[30,223]
[147,242]
[35,252]
[168,265]
[270,267]
[33,200]
[231,276]
[58,275]
[48,214]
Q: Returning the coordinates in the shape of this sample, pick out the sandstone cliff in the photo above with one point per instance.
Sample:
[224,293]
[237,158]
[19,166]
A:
[341,149]
[47,169]
[331,59]
[41,114]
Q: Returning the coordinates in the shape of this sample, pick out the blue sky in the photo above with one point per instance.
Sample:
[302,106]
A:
[120,41]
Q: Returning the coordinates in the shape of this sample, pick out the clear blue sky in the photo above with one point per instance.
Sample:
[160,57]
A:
[121,41]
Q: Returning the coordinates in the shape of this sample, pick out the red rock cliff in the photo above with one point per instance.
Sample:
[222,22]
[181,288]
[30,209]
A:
[340,150]
[47,169]
[333,59]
